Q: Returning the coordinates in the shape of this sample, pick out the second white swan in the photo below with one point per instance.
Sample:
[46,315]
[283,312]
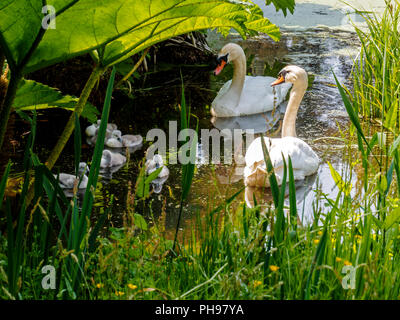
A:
[305,161]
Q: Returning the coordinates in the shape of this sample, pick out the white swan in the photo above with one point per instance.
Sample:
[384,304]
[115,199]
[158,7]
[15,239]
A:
[93,128]
[118,140]
[111,159]
[152,165]
[67,181]
[304,160]
[244,95]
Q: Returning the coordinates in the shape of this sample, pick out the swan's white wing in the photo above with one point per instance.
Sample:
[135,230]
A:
[66,180]
[255,153]
[223,89]
[304,160]
[260,123]
[224,104]
[257,96]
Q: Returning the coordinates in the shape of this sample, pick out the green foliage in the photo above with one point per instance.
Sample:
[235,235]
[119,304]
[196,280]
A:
[111,31]
[32,95]
[116,29]
[376,72]
[283,5]
[247,253]
[188,169]
[143,182]
[55,225]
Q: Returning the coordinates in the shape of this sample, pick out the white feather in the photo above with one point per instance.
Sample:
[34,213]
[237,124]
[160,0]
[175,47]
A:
[257,96]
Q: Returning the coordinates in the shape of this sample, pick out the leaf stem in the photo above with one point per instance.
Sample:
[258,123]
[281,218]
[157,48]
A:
[134,68]
[69,128]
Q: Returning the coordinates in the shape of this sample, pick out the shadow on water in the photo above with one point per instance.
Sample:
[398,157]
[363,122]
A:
[155,100]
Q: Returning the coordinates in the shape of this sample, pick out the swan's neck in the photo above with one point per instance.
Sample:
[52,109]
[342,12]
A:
[239,74]
[289,121]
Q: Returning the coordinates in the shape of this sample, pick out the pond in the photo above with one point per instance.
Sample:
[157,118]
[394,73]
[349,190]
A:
[321,50]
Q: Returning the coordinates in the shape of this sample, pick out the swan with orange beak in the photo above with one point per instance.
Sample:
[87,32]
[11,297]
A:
[244,95]
[305,161]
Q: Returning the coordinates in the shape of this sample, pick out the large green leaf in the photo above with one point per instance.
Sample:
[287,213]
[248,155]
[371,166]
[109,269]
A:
[123,26]
[20,23]
[21,27]
[34,95]
[209,15]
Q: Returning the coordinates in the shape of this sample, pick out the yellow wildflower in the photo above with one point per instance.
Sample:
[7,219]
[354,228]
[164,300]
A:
[320,233]
[347,263]
[257,283]
[99,285]
[119,293]
[316,241]
[338,259]
[132,286]
[273,268]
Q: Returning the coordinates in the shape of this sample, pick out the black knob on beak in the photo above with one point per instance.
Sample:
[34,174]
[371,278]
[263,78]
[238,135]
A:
[213,62]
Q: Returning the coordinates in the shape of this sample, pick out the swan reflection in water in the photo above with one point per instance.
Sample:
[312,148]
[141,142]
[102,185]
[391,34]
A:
[264,199]
[256,123]
[259,123]
[154,164]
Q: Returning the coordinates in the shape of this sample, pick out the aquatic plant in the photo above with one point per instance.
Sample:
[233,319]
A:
[376,72]
[55,229]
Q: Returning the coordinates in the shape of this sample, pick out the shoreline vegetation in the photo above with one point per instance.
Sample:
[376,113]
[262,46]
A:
[350,251]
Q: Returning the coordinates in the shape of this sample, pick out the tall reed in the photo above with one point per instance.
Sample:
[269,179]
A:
[376,73]
[53,231]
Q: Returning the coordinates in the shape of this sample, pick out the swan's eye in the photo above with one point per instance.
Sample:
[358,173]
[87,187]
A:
[284,73]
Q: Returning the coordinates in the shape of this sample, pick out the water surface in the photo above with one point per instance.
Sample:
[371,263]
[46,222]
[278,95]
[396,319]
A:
[321,50]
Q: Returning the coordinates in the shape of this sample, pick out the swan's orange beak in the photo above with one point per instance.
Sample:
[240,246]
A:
[220,67]
[280,80]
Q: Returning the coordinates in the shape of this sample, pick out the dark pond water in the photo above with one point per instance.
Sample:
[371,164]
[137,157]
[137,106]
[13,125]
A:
[154,104]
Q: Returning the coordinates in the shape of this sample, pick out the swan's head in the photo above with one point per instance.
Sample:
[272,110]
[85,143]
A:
[154,163]
[230,52]
[83,168]
[158,161]
[117,134]
[292,74]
